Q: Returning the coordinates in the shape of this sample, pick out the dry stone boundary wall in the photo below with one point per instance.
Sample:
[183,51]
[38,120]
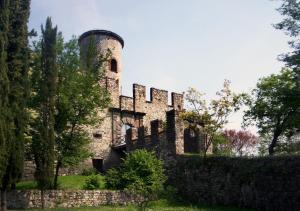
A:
[24,199]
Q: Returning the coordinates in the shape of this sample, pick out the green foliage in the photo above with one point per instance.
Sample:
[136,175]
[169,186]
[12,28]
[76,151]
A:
[141,173]
[73,182]
[44,136]
[210,118]
[222,146]
[89,171]
[93,182]
[4,88]
[79,98]
[290,10]
[275,106]
[14,75]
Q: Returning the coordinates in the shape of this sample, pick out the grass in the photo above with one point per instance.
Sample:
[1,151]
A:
[160,205]
[75,182]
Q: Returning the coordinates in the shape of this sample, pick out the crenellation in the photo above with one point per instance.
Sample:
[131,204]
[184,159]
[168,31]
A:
[177,101]
[139,97]
[158,96]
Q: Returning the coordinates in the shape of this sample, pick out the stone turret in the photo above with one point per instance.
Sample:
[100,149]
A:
[106,43]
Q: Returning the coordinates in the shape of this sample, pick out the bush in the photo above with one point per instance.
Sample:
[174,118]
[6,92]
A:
[92,183]
[89,172]
[141,174]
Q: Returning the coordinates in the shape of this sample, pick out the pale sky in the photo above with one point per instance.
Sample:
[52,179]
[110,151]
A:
[176,44]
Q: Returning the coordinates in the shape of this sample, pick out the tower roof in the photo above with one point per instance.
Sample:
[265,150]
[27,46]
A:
[103,32]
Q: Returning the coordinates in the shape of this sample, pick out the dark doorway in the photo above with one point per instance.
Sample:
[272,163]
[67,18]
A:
[98,164]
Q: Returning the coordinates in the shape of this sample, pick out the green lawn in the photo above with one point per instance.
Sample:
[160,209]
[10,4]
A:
[74,182]
[161,205]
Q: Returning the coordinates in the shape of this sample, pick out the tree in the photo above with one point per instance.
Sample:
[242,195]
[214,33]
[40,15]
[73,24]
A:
[141,174]
[221,145]
[44,138]
[275,106]
[80,99]
[212,117]
[15,48]
[4,87]
[240,141]
[290,9]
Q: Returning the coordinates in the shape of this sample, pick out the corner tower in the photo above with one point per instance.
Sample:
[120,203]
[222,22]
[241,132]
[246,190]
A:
[111,44]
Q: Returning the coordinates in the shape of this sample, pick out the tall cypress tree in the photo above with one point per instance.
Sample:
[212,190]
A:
[43,141]
[4,85]
[17,52]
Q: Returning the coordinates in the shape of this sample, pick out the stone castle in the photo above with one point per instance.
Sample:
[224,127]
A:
[133,122]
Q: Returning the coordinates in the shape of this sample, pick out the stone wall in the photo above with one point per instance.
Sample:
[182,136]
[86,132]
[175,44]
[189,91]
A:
[267,183]
[165,139]
[62,198]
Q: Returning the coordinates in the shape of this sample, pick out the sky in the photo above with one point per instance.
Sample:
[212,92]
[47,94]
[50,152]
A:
[175,44]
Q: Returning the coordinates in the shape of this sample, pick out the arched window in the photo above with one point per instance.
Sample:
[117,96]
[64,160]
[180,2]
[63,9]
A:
[114,65]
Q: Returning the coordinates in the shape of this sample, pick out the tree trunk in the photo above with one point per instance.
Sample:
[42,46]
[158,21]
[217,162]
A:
[58,165]
[3,200]
[43,198]
[273,144]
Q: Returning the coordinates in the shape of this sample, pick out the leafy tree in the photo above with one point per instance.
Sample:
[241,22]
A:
[79,98]
[241,142]
[221,145]
[141,174]
[44,138]
[14,75]
[213,116]
[290,9]
[275,106]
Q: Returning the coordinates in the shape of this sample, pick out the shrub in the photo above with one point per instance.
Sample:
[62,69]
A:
[89,172]
[141,174]
[92,182]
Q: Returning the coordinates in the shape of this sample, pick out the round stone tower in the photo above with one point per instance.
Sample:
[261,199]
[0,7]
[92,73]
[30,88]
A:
[105,43]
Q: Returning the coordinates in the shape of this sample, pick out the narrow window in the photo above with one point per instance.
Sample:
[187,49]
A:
[114,65]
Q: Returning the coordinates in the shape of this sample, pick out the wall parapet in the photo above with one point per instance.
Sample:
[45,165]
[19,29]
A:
[138,102]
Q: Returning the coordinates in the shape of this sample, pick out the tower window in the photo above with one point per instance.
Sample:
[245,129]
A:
[114,65]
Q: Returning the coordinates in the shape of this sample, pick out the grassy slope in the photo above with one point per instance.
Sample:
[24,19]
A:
[65,182]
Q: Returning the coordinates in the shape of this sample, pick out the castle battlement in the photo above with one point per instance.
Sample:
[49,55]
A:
[138,102]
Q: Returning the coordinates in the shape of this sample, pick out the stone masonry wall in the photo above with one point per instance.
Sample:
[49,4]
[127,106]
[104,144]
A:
[166,140]
[26,199]
[264,183]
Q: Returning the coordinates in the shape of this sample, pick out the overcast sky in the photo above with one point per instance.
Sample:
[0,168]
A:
[176,44]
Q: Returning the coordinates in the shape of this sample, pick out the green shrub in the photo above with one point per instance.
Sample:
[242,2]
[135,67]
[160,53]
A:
[89,172]
[141,173]
[92,183]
